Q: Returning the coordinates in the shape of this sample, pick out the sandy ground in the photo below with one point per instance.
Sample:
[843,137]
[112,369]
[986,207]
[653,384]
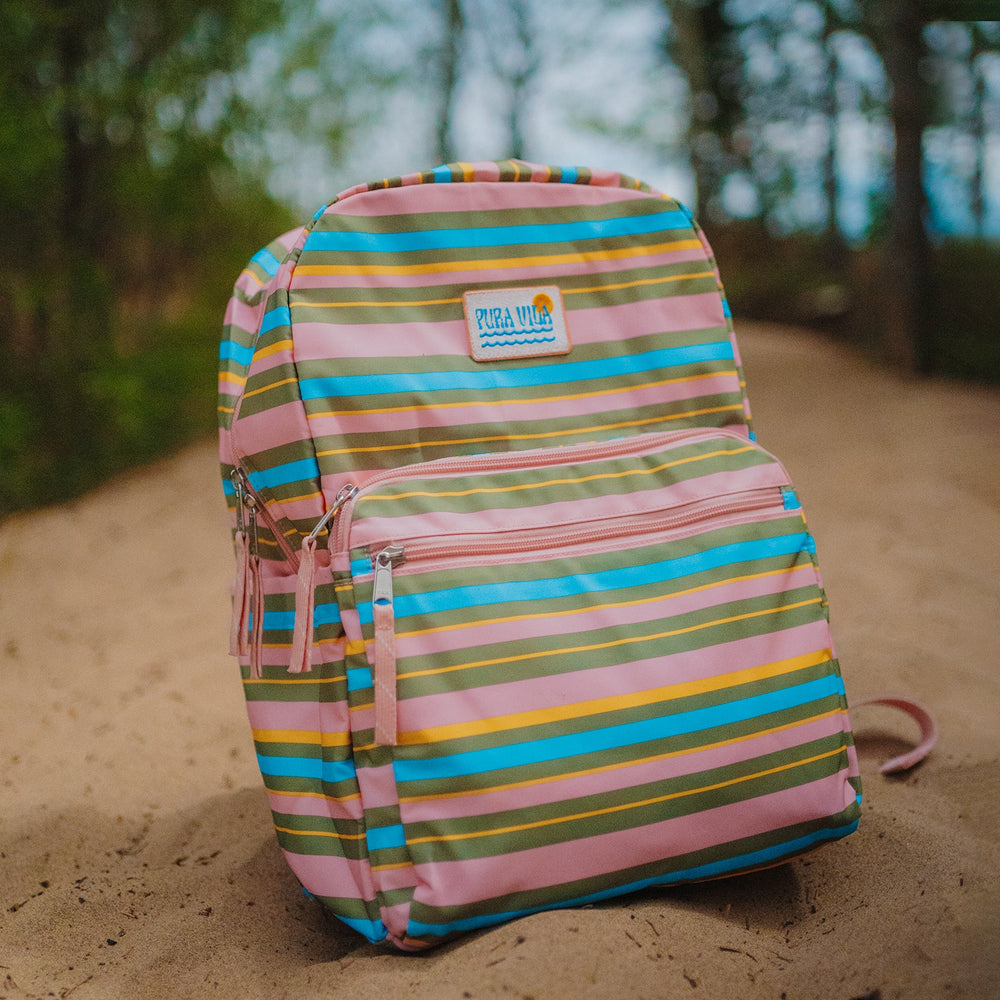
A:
[136,853]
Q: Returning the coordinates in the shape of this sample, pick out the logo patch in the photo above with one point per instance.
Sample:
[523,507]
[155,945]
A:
[512,323]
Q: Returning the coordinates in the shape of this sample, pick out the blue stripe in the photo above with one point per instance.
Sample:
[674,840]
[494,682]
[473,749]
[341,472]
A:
[382,838]
[359,679]
[306,767]
[442,174]
[568,175]
[374,930]
[278,316]
[290,472]
[494,236]
[266,261]
[456,598]
[614,737]
[323,614]
[486,380]
[754,859]
[229,350]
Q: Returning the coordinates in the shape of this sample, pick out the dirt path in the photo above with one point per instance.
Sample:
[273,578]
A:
[136,852]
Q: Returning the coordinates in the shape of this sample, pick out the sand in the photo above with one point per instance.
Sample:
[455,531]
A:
[137,857]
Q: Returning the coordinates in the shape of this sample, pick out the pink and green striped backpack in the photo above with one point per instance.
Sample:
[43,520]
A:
[526,618]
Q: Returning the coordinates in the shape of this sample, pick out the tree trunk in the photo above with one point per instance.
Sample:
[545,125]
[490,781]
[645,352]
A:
[909,328]
[451,44]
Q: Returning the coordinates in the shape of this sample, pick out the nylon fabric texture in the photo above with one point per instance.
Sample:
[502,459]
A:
[559,632]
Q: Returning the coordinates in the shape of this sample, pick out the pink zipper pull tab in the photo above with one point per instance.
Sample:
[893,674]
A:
[384,620]
[240,624]
[257,623]
[300,658]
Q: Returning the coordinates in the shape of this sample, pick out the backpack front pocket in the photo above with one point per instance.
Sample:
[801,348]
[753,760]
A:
[616,653]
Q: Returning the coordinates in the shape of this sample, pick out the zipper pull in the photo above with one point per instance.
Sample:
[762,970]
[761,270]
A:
[240,623]
[257,584]
[300,658]
[384,675]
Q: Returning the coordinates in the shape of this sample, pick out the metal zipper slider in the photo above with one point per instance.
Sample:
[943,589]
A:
[384,621]
[346,493]
[300,657]
[382,589]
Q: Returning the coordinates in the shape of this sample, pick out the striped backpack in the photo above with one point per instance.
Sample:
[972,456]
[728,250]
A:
[526,618]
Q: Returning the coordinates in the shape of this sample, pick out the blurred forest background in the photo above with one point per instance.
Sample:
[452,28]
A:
[843,157]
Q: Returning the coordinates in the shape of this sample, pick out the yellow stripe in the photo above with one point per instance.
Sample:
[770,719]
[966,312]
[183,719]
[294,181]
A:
[322,833]
[615,703]
[501,263]
[256,280]
[300,679]
[269,386]
[638,283]
[389,868]
[376,304]
[618,765]
[314,795]
[525,402]
[622,807]
[805,567]
[237,380]
[559,482]
[450,301]
[536,436]
[628,640]
[302,736]
[276,348]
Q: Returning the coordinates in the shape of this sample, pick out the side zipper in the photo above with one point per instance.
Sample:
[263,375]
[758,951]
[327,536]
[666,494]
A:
[300,658]
[532,540]
[246,628]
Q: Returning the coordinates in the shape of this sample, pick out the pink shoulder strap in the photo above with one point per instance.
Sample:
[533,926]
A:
[928,732]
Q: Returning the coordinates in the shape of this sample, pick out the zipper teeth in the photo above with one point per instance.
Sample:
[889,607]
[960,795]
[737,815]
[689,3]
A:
[651,521]
[259,509]
[517,460]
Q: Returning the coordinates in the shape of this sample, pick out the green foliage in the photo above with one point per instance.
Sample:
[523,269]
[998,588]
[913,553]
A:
[795,280]
[128,223]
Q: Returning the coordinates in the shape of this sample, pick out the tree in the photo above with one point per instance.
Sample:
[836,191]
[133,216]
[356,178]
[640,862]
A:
[122,201]
[897,31]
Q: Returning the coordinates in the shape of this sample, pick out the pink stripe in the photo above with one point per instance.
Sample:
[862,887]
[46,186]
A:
[607,682]
[414,715]
[271,428]
[485,412]
[570,513]
[378,786]
[245,317]
[318,340]
[310,805]
[480,197]
[607,782]
[309,716]
[330,875]
[543,273]
[450,883]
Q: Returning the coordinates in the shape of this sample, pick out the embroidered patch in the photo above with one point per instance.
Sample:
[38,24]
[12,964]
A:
[511,323]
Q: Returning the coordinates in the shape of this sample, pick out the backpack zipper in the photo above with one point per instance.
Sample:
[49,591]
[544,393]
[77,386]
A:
[393,554]
[517,460]
[246,628]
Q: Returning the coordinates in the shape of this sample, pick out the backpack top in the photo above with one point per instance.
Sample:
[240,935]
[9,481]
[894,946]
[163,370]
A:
[475,308]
